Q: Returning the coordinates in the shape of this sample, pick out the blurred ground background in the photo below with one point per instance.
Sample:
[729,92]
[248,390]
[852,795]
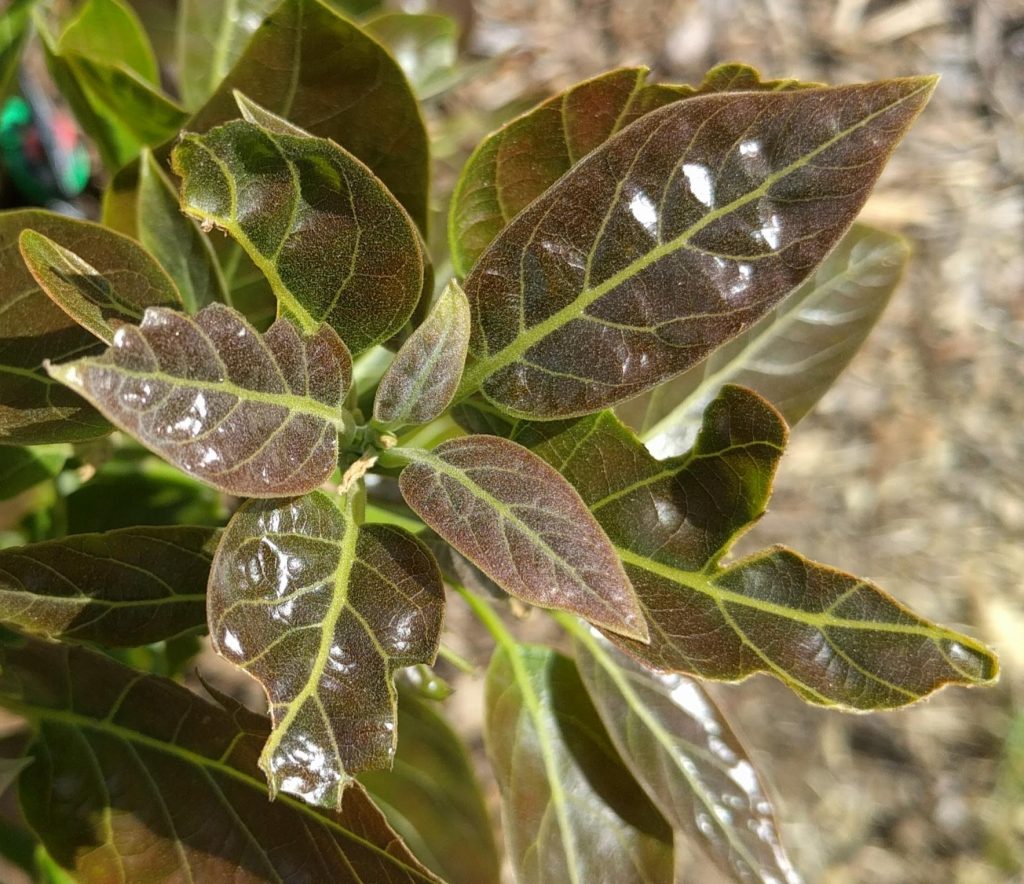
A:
[911,470]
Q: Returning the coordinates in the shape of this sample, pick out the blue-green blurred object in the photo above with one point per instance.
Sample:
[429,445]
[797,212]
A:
[42,149]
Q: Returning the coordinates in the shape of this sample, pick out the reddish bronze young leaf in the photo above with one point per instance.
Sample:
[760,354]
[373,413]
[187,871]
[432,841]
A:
[832,638]
[135,778]
[322,611]
[673,237]
[256,416]
[522,524]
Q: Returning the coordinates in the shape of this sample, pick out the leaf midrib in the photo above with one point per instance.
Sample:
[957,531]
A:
[485,366]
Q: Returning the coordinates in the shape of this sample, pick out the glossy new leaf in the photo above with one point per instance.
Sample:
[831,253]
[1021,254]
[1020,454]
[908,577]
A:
[341,84]
[517,163]
[793,355]
[253,415]
[176,241]
[136,778]
[99,300]
[431,796]
[673,237]
[331,240]
[681,749]
[321,611]
[110,30]
[571,810]
[211,37]
[122,589]
[834,639]
[422,379]
[522,524]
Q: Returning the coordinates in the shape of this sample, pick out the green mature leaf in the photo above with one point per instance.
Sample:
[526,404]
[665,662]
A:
[673,237]
[136,778]
[523,525]
[793,355]
[432,798]
[123,588]
[341,84]
[421,381]
[211,38]
[110,31]
[34,408]
[253,415]
[15,21]
[333,242]
[24,468]
[426,46]
[176,241]
[571,810]
[321,611]
[834,639]
[99,300]
[681,749]
[120,110]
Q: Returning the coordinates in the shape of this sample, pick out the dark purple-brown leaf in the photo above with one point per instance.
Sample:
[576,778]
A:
[253,415]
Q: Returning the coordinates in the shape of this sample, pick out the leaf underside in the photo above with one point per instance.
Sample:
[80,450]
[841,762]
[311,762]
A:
[522,524]
[252,415]
[671,238]
[135,777]
[793,355]
[321,611]
[571,810]
[834,639]
[334,244]
[682,750]
[123,588]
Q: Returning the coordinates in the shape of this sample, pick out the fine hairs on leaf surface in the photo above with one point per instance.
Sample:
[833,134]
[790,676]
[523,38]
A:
[241,407]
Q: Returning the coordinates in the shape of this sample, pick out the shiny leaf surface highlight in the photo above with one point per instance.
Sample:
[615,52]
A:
[341,84]
[253,415]
[572,812]
[681,749]
[522,524]
[432,797]
[331,240]
[425,45]
[673,237]
[321,611]
[136,776]
[834,639]
[793,355]
[99,301]
[422,379]
[122,589]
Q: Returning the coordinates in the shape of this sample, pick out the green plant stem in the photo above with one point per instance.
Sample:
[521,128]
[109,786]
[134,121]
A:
[490,620]
[431,434]
[457,660]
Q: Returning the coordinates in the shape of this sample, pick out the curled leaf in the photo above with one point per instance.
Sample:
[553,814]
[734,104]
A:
[123,588]
[253,415]
[524,526]
[321,611]
[98,301]
[422,379]
[334,244]
[673,237]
